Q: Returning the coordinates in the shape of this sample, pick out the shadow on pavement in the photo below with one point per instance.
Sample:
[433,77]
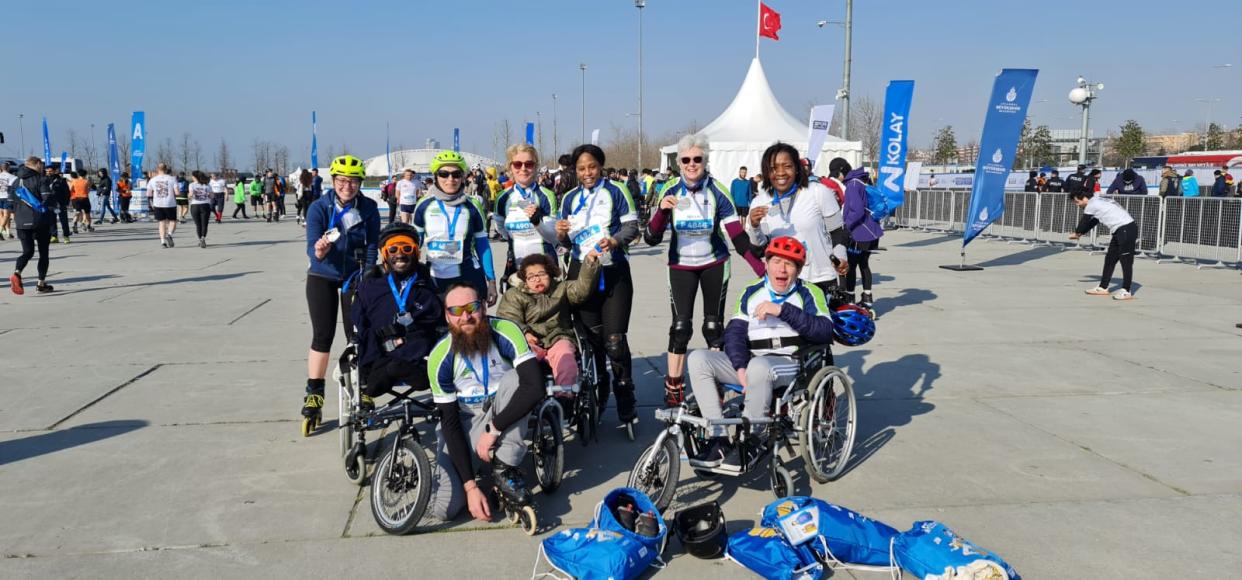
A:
[907,297]
[1023,257]
[890,394]
[930,241]
[85,278]
[53,441]
[211,278]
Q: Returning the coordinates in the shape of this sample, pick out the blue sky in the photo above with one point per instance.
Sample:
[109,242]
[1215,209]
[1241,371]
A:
[242,71]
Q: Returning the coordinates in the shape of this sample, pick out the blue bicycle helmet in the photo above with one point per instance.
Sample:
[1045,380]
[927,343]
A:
[852,325]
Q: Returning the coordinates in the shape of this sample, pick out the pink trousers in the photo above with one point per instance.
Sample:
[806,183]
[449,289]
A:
[561,358]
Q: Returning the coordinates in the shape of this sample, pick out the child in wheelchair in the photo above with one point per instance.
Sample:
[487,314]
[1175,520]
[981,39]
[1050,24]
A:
[541,305]
[395,312]
[776,315]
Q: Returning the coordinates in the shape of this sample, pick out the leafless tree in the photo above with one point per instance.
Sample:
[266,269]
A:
[865,120]
[164,154]
[280,158]
[187,152]
[262,156]
[222,158]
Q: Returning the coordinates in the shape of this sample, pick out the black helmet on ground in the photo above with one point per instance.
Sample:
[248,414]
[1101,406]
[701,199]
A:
[701,529]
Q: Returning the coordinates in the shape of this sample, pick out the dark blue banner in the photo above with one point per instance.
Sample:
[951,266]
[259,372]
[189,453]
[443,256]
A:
[64,162]
[47,144]
[1011,93]
[530,133]
[137,145]
[456,139]
[894,141]
[114,159]
[314,162]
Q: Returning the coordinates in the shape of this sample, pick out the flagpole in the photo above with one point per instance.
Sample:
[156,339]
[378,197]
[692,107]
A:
[758,23]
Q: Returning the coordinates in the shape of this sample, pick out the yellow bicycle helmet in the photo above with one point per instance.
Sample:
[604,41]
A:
[348,166]
[448,157]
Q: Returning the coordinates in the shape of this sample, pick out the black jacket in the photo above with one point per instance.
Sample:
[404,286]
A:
[24,216]
[104,186]
[374,312]
[59,187]
[1054,184]
[1075,182]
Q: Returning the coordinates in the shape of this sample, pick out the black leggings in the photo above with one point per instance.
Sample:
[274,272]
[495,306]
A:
[860,261]
[381,375]
[242,208]
[125,209]
[605,318]
[201,212]
[40,236]
[1120,249]
[323,297]
[683,287]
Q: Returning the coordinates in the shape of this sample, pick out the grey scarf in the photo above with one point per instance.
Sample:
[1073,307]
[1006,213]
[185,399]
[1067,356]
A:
[454,199]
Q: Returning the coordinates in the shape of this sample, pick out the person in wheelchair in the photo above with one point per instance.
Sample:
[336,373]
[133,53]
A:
[540,306]
[485,382]
[395,312]
[776,315]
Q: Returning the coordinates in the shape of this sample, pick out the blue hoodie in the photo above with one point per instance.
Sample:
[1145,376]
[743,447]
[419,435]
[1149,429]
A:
[857,219]
[340,264]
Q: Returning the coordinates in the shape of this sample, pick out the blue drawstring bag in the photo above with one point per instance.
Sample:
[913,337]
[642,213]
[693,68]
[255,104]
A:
[767,553]
[606,550]
[848,536]
[30,199]
[931,551]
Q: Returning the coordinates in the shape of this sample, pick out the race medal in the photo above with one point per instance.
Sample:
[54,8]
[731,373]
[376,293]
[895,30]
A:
[332,235]
[683,203]
[405,319]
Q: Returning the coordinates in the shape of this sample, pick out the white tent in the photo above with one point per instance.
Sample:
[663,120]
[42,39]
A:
[417,159]
[751,123]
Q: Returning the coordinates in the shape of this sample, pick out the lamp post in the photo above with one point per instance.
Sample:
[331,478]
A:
[539,128]
[844,93]
[92,160]
[1207,119]
[21,127]
[640,4]
[582,67]
[1082,95]
[556,147]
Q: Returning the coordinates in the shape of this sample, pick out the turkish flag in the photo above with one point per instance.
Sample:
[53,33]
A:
[769,22]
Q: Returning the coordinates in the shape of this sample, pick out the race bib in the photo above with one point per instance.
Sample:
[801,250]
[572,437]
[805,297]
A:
[693,227]
[587,237]
[350,219]
[516,222]
[445,251]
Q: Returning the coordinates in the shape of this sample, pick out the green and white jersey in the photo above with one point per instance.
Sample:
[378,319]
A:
[473,380]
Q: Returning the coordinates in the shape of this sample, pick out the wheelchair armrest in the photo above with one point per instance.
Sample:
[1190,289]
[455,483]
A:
[807,352]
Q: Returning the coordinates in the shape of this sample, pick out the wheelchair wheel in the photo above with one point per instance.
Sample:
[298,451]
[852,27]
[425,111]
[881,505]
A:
[587,415]
[356,464]
[344,416]
[528,520]
[401,487]
[782,481]
[656,472]
[548,450]
[826,433]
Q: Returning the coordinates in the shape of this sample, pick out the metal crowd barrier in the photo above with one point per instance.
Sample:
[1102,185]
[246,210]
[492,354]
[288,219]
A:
[1206,231]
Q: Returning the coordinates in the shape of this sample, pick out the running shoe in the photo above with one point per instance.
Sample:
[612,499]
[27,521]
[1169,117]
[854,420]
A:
[1098,291]
[15,284]
[1123,294]
[170,241]
[65,241]
[713,455]
[732,459]
[43,288]
[163,242]
[54,239]
[202,242]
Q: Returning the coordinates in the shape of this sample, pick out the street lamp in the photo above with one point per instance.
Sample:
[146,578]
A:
[92,159]
[556,147]
[1207,120]
[844,93]
[640,4]
[582,67]
[1082,95]
[21,127]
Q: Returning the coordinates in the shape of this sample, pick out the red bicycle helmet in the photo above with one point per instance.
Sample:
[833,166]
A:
[787,247]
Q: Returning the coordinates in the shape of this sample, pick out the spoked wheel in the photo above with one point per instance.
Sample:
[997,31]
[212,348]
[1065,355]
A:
[548,450]
[528,519]
[344,416]
[829,420]
[356,464]
[401,486]
[586,416]
[656,472]
[782,481]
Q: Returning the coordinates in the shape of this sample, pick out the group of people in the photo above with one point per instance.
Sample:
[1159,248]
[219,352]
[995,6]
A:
[1130,182]
[415,295]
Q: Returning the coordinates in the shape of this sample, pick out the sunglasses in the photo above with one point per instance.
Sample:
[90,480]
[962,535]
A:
[696,159]
[450,174]
[467,308]
[522,164]
[402,248]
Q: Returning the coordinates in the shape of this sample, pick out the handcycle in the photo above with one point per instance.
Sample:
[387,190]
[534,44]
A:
[401,484]
[814,407]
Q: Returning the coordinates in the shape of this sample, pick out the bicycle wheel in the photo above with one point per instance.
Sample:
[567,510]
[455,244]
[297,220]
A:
[401,486]
[548,450]
[656,472]
[829,420]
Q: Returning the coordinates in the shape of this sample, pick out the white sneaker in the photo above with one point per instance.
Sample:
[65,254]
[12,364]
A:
[1097,291]
[1123,294]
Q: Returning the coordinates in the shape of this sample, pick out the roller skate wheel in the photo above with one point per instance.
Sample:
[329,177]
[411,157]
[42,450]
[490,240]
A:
[629,430]
[530,521]
[309,425]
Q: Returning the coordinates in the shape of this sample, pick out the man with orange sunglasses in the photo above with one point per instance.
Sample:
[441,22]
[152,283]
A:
[395,312]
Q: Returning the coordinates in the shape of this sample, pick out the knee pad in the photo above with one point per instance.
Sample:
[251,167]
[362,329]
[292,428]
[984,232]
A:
[713,332]
[679,335]
[617,347]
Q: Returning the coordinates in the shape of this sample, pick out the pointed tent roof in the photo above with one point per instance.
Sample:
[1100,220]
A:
[756,115]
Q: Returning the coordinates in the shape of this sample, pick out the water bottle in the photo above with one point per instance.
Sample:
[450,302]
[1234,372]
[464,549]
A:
[605,258]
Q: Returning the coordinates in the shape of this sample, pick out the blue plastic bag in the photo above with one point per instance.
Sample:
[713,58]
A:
[851,537]
[607,550]
[765,552]
[930,550]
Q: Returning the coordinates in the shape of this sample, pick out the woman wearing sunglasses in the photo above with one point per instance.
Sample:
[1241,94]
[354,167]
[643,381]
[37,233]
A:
[525,211]
[453,230]
[396,312]
[338,225]
[699,211]
[600,215]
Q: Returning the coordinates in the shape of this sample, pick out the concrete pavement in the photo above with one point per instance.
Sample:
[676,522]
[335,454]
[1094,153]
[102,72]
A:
[149,423]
